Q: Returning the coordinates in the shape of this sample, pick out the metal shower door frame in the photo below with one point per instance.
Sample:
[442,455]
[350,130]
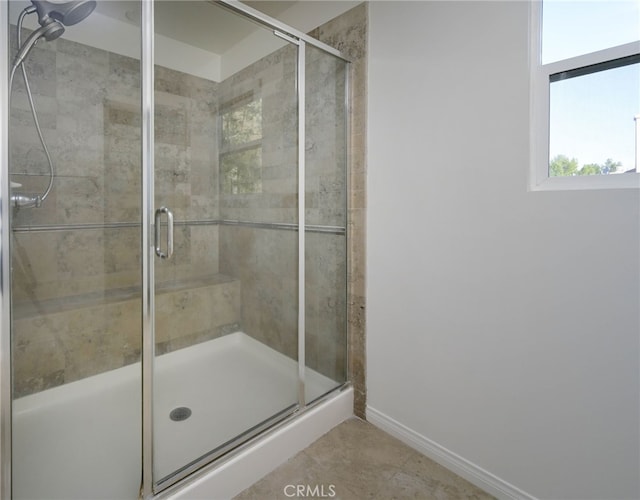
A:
[5,265]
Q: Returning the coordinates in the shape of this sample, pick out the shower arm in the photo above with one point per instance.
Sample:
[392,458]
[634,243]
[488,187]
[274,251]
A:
[19,200]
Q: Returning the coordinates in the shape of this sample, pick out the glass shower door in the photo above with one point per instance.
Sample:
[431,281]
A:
[225,241]
[76,256]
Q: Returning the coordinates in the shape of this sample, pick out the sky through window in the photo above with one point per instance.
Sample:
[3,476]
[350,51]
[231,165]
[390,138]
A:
[592,116]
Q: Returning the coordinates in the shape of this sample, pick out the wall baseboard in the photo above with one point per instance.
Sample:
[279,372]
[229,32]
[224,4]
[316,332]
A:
[455,463]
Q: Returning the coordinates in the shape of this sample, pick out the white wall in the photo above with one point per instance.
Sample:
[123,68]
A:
[502,324]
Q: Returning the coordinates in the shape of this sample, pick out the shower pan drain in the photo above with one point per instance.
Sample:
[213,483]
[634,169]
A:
[179,414]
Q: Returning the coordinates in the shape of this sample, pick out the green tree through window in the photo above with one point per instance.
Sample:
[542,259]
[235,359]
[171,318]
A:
[562,166]
[241,147]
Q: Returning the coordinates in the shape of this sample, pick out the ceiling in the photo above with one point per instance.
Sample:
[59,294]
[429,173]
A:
[197,37]
[197,23]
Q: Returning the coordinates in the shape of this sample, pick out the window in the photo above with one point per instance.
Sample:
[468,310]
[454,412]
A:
[241,146]
[585,99]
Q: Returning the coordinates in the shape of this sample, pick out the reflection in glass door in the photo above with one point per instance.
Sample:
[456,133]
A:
[225,240]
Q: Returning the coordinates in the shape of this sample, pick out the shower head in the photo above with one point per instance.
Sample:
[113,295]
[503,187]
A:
[53,16]
[49,31]
[67,12]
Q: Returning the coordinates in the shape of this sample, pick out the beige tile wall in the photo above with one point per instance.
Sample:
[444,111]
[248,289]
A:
[273,79]
[348,33]
[63,281]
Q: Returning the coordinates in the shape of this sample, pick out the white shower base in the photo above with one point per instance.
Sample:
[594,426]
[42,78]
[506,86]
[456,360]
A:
[82,440]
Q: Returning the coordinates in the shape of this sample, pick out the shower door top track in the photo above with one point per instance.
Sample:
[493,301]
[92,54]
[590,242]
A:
[279,27]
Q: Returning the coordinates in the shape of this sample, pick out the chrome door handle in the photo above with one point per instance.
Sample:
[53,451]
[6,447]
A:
[159,252]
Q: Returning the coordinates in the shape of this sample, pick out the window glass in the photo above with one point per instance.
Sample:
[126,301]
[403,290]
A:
[592,126]
[241,171]
[241,148]
[571,28]
[242,124]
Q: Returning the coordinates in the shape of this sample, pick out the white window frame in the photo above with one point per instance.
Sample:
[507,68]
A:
[539,113]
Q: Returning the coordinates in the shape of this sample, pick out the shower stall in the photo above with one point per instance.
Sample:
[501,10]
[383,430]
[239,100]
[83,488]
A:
[174,215]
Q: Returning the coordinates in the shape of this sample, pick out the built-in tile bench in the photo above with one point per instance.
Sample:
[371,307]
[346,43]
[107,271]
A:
[61,340]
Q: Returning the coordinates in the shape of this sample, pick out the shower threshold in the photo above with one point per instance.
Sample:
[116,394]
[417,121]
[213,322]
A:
[82,440]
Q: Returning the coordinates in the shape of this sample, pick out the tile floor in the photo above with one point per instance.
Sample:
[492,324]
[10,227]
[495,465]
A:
[357,461]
